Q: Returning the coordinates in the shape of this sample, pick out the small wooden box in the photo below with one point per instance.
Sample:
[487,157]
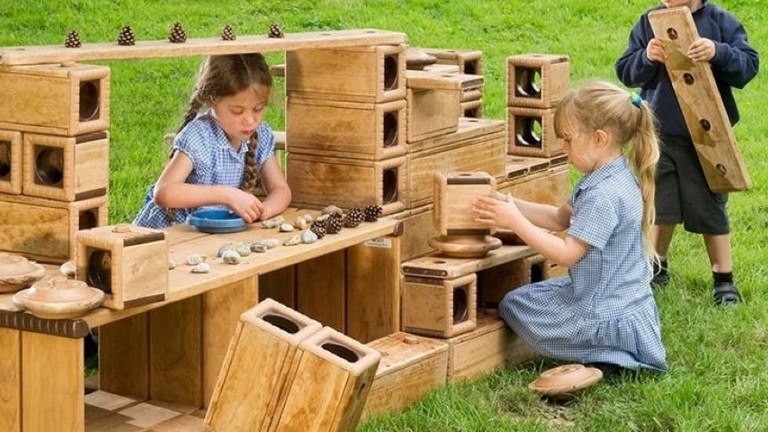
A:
[55,99]
[537,80]
[258,368]
[66,168]
[347,130]
[129,263]
[469,62]
[10,162]
[333,376]
[454,192]
[44,230]
[439,307]
[410,367]
[531,132]
[370,74]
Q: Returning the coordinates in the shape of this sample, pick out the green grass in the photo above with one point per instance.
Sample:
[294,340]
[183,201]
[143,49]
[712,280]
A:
[718,380]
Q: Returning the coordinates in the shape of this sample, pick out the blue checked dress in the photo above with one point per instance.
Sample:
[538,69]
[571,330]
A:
[214,162]
[604,311]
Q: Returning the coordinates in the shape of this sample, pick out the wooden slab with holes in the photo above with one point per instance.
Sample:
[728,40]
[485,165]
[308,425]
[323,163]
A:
[20,55]
[437,266]
[700,102]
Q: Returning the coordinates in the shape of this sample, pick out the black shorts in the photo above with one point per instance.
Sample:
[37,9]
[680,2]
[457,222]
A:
[682,193]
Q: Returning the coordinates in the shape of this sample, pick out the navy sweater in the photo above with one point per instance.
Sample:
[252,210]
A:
[734,65]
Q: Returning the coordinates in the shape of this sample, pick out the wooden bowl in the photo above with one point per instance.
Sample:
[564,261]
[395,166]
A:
[58,298]
[16,272]
[466,246]
[565,380]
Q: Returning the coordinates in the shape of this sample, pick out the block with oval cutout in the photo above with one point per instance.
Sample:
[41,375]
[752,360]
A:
[531,132]
[537,80]
[439,307]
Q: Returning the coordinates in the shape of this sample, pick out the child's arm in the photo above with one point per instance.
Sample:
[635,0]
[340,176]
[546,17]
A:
[734,60]
[544,216]
[278,193]
[640,63]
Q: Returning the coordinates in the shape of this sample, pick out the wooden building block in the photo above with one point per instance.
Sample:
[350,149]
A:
[66,168]
[55,99]
[410,367]
[495,282]
[258,369]
[129,263]
[468,61]
[443,267]
[453,194]
[347,130]
[531,132]
[469,128]
[333,376]
[432,112]
[439,307]
[321,290]
[418,227]
[124,357]
[370,74]
[10,162]
[537,80]
[701,103]
[472,108]
[44,230]
[318,181]
[279,285]
[551,186]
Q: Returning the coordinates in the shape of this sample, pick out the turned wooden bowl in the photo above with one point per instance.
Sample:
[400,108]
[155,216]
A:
[16,272]
[465,246]
[58,298]
[565,380]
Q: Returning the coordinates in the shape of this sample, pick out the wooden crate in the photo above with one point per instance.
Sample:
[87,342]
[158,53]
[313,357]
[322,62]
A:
[537,80]
[66,168]
[439,307]
[468,61]
[67,100]
[44,230]
[418,227]
[531,132]
[347,130]
[129,263]
[10,162]
[550,186]
[370,74]
[453,194]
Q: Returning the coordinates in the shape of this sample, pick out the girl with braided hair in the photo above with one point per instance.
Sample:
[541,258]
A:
[222,155]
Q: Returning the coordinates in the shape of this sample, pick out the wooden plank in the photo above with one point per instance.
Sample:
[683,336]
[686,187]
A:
[700,102]
[279,285]
[546,187]
[124,357]
[321,289]
[10,380]
[418,227]
[198,47]
[437,266]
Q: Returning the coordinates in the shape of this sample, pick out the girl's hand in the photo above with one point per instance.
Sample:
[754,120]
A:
[702,50]
[245,205]
[655,51]
[493,212]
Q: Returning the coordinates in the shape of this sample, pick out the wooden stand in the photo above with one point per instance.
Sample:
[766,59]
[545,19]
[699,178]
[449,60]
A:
[10,162]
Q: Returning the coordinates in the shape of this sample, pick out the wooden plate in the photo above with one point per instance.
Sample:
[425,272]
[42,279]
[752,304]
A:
[465,246]
[567,379]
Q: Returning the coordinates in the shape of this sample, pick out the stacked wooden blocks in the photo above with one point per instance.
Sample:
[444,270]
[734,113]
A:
[462,62]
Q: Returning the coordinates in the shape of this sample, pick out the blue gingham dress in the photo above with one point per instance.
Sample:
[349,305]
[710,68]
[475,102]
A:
[214,162]
[604,311]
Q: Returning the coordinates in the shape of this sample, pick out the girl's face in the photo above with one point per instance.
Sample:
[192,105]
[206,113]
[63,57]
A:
[239,115]
[581,151]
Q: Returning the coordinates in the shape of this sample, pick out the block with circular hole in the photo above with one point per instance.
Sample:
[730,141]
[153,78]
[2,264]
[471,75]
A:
[531,132]
[66,168]
[453,194]
[468,61]
[439,307]
[55,99]
[472,108]
[537,80]
[258,368]
[10,162]
[129,263]
[349,130]
[369,74]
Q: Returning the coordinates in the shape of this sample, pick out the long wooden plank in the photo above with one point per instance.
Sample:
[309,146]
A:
[24,55]
[700,102]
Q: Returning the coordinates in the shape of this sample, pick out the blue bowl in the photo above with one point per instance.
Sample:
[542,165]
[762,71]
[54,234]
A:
[216,221]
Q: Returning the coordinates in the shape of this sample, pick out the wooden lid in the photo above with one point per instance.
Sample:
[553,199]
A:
[59,297]
[566,380]
[465,246]
[416,59]
[16,272]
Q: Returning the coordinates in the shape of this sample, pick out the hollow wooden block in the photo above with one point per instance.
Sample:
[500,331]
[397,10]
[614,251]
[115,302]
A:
[332,378]
[347,130]
[129,263]
[531,132]
[369,74]
[258,368]
[495,282]
[453,194]
[439,307]
[317,181]
[410,367]
[66,168]
[469,62]
[44,230]
[10,162]
[432,112]
[537,80]
[472,108]
[55,99]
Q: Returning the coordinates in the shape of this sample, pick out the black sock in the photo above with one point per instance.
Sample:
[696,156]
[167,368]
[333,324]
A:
[722,277]
[661,267]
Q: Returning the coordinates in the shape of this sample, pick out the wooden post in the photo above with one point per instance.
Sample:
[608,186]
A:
[321,289]
[10,380]
[124,357]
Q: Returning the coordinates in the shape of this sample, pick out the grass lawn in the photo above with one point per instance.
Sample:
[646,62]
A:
[718,380]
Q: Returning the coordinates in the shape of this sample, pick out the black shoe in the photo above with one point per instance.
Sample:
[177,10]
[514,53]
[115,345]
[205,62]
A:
[726,294]
[660,274]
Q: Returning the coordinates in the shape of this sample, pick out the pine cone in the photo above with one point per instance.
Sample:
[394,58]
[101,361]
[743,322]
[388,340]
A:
[354,217]
[372,213]
[318,227]
[72,40]
[177,35]
[334,224]
[228,33]
[126,37]
[275,31]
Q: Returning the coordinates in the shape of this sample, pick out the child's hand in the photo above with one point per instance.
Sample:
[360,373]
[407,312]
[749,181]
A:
[493,212]
[245,205]
[702,50]
[655,51]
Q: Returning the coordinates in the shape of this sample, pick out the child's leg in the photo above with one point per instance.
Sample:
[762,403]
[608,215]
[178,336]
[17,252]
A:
[719,251]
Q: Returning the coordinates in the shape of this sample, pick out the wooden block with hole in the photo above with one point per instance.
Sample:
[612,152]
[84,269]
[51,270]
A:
[701,103]
[495,282]
[129,263]
[332,378]
[439,307]
[472,108]
[65,100]
[468,61]
[537,80]
[318,181]
[453,194]
[349,130]
[258,369]
[66,168]
[44,230]
[10,162]
[370,74]
[531,132]
[410,367]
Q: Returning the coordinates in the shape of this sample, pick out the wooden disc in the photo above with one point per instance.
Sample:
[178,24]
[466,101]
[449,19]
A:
[567,379]
[465,246]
